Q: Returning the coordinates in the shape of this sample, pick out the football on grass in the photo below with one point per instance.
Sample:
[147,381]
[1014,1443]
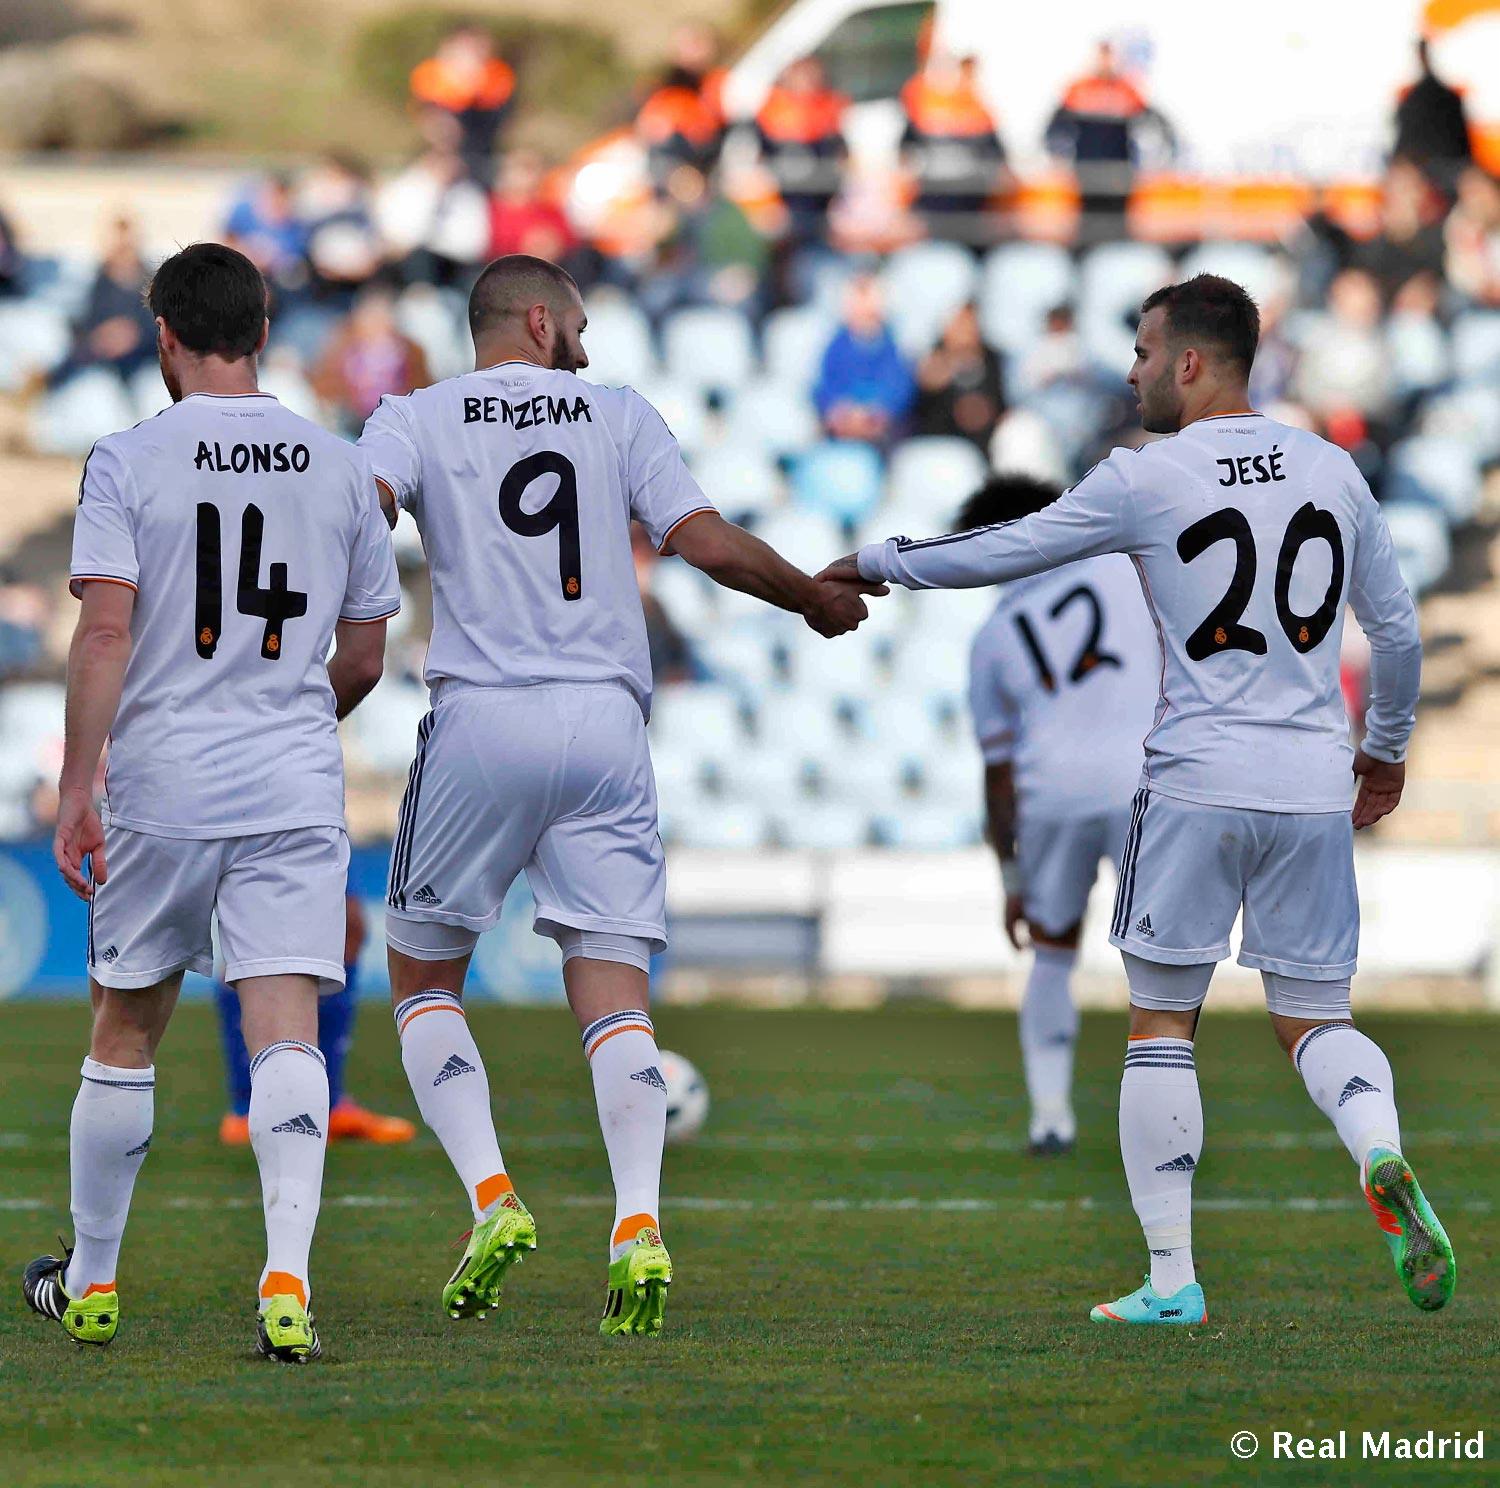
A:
[687,1097]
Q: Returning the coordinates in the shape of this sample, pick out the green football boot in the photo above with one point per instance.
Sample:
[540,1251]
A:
[285,1332]
[1419,1244]
[498,1242]
[638,1284]
[93,1318]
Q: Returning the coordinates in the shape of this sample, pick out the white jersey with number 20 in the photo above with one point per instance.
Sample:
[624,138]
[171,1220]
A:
[523,481]
[1250,537]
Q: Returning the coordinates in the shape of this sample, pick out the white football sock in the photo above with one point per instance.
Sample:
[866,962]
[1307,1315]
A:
[1350,1081]
[448,1079]
[289,1132]
[1049,1027]
[107,1144]
[632,1100]
[1161,1140]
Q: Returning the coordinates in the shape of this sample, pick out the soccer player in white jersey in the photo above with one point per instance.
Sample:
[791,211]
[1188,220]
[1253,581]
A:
[1062,689]
[1249,537]
[219,549]
[523,480]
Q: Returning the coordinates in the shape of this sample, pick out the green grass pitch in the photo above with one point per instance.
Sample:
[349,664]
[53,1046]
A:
[873,1284]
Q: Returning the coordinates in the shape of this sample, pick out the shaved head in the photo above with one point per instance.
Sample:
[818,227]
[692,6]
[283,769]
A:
[510,286]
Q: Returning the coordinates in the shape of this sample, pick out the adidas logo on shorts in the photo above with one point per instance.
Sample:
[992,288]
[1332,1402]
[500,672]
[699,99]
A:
[303,1126]
[1143,927]
[650,1076]
[1356,1086]
[137,1151]
[109,953]
[455,1067]
[424,895]
[1183,1164]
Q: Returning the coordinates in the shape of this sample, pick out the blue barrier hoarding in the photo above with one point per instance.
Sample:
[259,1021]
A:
[43,933]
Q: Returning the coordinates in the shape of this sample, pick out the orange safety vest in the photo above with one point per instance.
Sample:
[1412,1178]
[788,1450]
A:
[801,118]
[955,112]
[677,111]
[1104,98]
[432,82]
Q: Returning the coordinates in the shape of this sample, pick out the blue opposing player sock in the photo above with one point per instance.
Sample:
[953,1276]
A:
[336,1030]
[236,1056]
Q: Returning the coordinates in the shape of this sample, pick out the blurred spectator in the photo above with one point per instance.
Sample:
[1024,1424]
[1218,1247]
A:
[681,121]
[1276,355]
[434,218]
[800,132]
[468,83]
[264,224]
[344,251]
[115,330]
[1344,366]
[864,389]
[522,218]
[671,652]
[951,145]
[960,385]
[1473,238]
[24,614]
[1410,240]
[1057,353]
[1416,342]
[1431,128]
[708,252]
[1095,126]
[12,265]
[870,214]
[367,358]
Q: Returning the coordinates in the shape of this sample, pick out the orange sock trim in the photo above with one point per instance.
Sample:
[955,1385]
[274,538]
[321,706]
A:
[442,1007]
[282,1283]
[487,1190]
[629,1227]
[613,1032]
[99,1286]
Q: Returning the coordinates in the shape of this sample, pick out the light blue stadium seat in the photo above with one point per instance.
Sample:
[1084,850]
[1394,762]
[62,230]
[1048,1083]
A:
[33,338]
[917,827]
[839,478]
[689,597]
[850,667]
[281,376]
[1020,284]
[706,715]
[1442,471]
[1114,279]
[924,284]
[812,719]
[935,474]
[1260,271]
[682,409]
[87,407]
[774,772]
[1470,414]
[741,479]
[742,656]
[1420,355]
[795,340]
[709,348]
[775,413]
[618,340]
[148,392]
[822,826]
[1421,541]
[424,315]
[384,726]
[740,826]
[1476,346]
[807,538]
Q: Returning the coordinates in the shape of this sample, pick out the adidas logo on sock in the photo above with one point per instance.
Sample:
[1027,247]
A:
[1143,927]
[650,1076]
[1356,1086]
[453,1069]
[425,895]
[109,953]
[1183,1164]
[303,1125]
[137,1151]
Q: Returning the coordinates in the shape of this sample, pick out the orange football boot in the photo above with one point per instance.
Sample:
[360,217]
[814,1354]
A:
[351,1122]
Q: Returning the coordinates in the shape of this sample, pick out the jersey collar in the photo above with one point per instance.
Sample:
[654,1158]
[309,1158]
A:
[1208,418]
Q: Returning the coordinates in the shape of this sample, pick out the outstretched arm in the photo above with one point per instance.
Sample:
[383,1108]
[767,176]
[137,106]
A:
[739,560]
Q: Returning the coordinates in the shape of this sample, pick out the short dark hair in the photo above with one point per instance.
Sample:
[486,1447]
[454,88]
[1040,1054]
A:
[513,284]
[1005,498]
[1211,309]
[212,298]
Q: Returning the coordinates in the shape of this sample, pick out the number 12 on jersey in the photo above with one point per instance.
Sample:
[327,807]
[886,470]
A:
[275,604]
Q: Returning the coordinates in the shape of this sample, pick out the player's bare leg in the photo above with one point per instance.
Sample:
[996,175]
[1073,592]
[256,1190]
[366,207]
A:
[108,1141]
[452,1091]
[608,982]
[1048,1027]
[289,1132]
[1350,1081]
[1161,1139]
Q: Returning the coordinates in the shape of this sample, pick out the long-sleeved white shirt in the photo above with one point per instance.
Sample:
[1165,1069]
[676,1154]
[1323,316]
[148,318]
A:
[1249,537]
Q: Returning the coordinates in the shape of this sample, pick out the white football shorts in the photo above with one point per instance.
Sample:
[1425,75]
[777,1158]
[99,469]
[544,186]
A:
[1189,869]
[279,897]
[554,780]
[1059,862]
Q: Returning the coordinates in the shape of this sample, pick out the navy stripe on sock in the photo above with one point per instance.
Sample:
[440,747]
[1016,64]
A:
[281,1044]
[609,1019]
[1316,1033]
